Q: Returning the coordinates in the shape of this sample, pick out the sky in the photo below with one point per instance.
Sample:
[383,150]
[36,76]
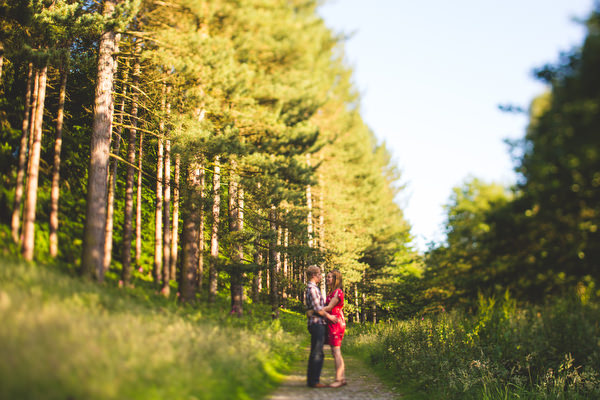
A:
[432,74]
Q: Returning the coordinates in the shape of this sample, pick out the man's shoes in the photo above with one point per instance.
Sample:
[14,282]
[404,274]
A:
[319,386]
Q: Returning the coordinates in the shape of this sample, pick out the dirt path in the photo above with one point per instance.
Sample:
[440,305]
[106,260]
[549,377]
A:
[362,383]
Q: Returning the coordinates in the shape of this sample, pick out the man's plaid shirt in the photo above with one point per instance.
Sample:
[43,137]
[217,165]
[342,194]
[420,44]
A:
[314,301]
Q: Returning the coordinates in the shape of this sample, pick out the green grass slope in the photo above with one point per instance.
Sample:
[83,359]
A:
[65,338]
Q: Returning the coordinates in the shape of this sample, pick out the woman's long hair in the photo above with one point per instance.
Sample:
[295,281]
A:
[337,281]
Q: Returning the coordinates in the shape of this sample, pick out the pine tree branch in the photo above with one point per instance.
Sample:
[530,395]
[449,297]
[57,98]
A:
[138,128]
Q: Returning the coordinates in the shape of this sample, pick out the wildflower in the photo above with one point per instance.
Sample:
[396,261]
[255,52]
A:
[121,283]
[140,269]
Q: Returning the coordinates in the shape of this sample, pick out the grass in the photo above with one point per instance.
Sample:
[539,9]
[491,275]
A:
[502,352]
[64,338]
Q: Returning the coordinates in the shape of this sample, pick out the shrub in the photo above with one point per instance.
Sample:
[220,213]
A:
[500,352]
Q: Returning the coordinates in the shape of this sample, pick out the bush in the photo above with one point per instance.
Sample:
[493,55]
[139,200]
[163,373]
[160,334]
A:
[501,352]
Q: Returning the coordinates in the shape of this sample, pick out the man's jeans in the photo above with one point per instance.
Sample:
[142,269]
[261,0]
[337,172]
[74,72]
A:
[316,358]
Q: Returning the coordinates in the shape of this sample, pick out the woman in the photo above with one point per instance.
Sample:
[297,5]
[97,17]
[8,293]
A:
[335,303]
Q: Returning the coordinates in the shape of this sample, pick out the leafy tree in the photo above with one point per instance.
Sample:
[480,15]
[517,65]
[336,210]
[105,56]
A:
[459,268]
[558,199]
[541,239]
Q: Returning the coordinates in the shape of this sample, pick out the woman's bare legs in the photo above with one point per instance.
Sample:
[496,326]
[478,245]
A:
[340,368]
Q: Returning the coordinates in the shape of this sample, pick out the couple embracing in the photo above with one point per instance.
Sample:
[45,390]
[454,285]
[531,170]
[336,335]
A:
[326,324]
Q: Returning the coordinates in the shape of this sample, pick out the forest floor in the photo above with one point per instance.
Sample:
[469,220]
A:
[362,382]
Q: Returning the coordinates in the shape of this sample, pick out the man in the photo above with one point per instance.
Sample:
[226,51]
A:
[317,326]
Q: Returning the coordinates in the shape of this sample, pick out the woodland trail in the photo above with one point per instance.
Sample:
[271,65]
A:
[362,383]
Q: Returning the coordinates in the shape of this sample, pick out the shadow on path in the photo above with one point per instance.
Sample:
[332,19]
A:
[362,383]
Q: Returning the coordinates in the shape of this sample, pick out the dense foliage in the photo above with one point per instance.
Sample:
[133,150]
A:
[540,238]
[503,351]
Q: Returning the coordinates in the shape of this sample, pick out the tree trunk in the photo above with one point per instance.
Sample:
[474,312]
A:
[214,238]
[301,276]
[309,223]
[191,233]
[167,220]
[30,138]
[363,309]
[235,225]
[280,263]
[274,264]
[92,260]
[23,150]
[1,59]
[374,312]
[138,204]
[175,236]
[240,247]
[309,217]
[55,191]
[267,276]
[112,179]
[158,220]
[158,241]
[321,213]
[128,212]
[201,245]
[33,170]
[131,150]
[257,280]
[168,275]
[201,237]
[285,262]
[356,306]
[32,116]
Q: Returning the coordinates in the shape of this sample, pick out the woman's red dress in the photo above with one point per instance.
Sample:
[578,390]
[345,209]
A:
[336,331]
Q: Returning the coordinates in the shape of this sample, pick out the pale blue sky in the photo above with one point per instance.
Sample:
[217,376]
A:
[431,75]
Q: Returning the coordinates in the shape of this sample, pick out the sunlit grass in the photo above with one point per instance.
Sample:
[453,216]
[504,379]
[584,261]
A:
[64,338]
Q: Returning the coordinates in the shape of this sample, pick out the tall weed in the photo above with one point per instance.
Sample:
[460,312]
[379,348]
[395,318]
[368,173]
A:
[503,351]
